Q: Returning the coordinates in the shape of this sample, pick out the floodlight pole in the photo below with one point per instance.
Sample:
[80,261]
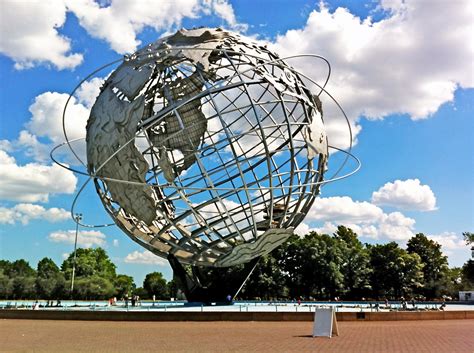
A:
[77,218]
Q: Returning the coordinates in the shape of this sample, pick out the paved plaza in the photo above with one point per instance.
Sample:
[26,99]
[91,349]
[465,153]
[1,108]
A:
[443,336]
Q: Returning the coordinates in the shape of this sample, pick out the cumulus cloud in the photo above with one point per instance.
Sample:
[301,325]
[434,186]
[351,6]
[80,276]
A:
[120,22]
[145,257]
[30,34]
[30,30]
[449,241]
[366,219]
[32,147]
[302,229]
[6,146]
[225,11]
[88,91]
[46,122]
[32,182]
[409,62]
[46,117]
[25,212]
[344,209]
[407,194]
[365,230]
[396,226]
[85,238]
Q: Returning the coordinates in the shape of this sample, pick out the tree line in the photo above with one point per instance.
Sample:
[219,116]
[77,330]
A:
[320,266]
[95,278]
[316,266]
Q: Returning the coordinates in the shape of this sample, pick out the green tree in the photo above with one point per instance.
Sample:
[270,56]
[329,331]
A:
[24,287]
[155,284]
[124,285]
[267,280]
[435,264]
[468,268]
[23,279]
[468,273]
[141,292]
[450,284]
[6,285]
[395,271]
[93,288]
[312,266]
[173,288]
[95,274]
[50,281]
[5,266]
[356,264]
[20,268]
[90,262]
[468,237]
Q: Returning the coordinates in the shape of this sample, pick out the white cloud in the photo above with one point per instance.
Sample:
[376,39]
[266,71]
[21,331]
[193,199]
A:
[407,194]
[46,117]
[365,230]
[6,146]
[25,212]
[225,11]
[344,209]
[32,182]
[86,238]
[30,30]
[302,229]
[396,226]
[115,242]
[46,123]
[449,241]
[364,218]
[121,21]
[29,34]
[410,62]
[88,91]
[145,257]
[32,147]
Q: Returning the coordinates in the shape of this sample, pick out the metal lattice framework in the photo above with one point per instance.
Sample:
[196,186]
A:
[207,146]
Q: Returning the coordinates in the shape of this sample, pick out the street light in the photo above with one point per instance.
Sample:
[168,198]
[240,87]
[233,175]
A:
[77,218]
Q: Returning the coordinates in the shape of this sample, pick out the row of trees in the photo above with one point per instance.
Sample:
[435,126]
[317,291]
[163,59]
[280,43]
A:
[324,267]
[316,266]
[95,278]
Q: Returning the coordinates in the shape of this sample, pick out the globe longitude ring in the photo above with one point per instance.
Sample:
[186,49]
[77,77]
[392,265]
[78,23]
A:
[207,146]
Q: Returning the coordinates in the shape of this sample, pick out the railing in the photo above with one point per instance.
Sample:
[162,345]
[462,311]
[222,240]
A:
[236,307]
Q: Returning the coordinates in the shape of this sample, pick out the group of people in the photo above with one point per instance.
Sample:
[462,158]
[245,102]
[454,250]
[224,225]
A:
[49,303]
[134,300]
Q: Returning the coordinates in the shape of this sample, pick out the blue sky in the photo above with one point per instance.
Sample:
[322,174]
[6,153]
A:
[403,73]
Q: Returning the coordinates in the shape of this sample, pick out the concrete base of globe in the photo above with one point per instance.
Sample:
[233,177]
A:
[207,286]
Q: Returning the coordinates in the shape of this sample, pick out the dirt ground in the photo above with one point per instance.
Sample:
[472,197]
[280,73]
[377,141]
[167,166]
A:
[446,336]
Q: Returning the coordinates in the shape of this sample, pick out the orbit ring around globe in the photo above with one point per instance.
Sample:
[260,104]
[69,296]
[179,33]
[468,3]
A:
[222,151]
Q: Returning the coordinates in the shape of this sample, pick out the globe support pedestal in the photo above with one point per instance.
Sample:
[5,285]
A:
[198,288]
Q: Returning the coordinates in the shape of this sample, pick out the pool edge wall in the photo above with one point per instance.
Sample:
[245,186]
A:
[227,316]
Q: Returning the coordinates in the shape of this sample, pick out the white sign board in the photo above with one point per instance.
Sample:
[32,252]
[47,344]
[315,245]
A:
[325,323]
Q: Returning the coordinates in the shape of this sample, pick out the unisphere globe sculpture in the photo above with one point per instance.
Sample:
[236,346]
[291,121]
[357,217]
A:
[207,146]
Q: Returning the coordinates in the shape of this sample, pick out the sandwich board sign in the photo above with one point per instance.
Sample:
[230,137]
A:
[325,323]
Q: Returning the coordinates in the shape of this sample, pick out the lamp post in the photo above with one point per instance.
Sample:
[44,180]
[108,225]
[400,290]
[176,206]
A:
[77,218]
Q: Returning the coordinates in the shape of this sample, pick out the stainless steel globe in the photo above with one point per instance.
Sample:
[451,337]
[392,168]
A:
[208,146]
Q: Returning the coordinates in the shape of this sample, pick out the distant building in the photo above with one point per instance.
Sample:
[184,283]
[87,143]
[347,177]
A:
[466,295]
